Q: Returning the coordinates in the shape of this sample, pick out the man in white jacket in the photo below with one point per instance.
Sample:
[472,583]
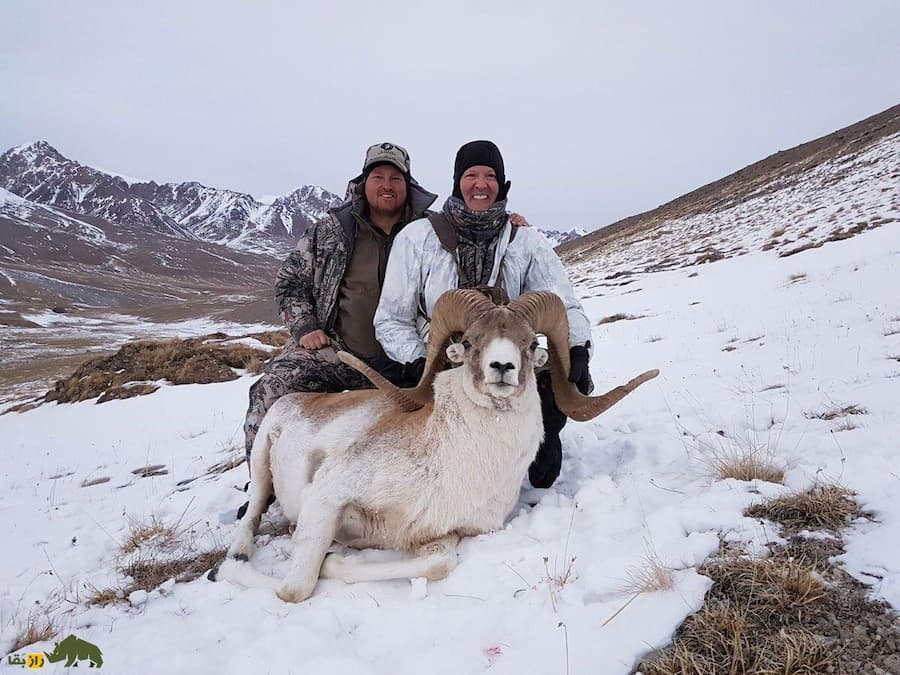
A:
[472,244]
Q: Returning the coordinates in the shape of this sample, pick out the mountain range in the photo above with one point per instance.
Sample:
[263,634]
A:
[39,173]
[85,253]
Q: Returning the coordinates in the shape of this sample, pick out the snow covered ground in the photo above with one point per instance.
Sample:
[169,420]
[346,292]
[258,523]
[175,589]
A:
[749,349]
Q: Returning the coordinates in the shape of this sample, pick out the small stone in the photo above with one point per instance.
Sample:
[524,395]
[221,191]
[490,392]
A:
[137,598]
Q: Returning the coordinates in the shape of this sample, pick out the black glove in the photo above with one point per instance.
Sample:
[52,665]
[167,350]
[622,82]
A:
[412,372]
[388,368]
[401,374]
[579,372]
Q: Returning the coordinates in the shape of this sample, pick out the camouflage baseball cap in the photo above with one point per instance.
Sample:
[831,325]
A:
[387,153]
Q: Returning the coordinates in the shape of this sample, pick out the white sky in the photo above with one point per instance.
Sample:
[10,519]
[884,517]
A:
[601,109]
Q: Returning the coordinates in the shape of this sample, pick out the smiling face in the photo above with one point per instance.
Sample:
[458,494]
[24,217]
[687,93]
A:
[386,191]
[479,187]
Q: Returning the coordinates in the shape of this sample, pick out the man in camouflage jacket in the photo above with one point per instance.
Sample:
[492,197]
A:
[328,288]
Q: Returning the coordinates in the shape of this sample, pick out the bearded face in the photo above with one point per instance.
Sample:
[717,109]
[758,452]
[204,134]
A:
[386,191]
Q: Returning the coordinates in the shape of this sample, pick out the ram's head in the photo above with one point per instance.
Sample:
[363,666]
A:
[499,349]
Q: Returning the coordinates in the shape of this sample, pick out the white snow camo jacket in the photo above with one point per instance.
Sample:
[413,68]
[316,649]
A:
[419,270]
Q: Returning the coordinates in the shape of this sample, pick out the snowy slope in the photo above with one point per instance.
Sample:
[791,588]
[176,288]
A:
[829,201]
[746,346]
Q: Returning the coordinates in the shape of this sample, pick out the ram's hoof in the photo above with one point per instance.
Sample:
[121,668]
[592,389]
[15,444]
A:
[214,571]
[242,509]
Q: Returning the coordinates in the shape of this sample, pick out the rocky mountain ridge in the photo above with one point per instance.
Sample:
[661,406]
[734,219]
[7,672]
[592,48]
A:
[190,210]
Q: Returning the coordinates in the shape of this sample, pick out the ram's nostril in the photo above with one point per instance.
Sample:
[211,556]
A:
[502,367]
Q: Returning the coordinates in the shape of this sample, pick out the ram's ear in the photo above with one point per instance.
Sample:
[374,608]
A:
[540,357]
[455,352]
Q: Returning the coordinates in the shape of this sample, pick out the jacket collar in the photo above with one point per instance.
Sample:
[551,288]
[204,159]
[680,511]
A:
[352,207]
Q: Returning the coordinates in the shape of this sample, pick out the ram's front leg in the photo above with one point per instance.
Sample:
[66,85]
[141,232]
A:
[317,525]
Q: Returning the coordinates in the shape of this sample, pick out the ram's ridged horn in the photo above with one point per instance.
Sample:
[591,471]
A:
[454,311]
[547,314]
[396,394]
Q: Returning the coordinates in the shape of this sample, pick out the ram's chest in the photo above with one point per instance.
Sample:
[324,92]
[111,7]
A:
[479,481]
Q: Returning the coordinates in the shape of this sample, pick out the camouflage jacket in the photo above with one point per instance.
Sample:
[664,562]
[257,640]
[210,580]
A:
[307,284]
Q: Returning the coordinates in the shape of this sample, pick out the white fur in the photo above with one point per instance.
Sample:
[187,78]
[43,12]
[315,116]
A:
[416,483]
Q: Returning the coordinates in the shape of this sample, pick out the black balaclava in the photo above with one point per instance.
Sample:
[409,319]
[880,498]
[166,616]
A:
[480,153]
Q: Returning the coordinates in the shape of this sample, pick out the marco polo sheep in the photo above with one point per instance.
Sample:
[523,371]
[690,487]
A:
[413,469]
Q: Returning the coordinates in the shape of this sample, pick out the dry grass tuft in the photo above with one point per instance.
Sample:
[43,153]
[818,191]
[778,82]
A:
[147,574]
[38,628]
[651,576]
[834,413]
[612,318]
[801,248]
[796,278]
[826,506]
[254,365]
[772,387]
[557,580]
[275,338]
[156,534]
[227,464]
[777,588]
[742,461]
[153,553]
[95,481]
[711,255]
[101,597]
[133,370]
[750,623]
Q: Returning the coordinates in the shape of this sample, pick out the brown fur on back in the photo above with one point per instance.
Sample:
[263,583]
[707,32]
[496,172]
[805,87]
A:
[325,407]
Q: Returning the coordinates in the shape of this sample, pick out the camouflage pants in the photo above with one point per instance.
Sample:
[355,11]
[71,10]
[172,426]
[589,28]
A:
[297,369]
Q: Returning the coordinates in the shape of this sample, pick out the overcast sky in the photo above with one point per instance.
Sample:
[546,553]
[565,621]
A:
[601,109]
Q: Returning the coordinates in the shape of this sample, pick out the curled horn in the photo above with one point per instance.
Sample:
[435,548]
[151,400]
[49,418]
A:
[547,314]
[454,311]
[395,393]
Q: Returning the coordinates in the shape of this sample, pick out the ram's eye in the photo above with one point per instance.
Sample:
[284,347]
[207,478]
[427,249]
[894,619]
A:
[466,344]
[534,345]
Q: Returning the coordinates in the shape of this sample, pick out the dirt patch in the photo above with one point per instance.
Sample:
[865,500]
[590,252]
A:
[799,249]
[150,471]
[612,318]
[16,321]
[135,369]
[796,611]
[834,413]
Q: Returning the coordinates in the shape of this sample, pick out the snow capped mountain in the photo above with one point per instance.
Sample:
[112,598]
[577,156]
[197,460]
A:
[557,237]
[39,173]
[27,223]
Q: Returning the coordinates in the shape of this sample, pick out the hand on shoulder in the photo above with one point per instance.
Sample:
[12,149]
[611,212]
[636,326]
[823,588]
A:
[518,220]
